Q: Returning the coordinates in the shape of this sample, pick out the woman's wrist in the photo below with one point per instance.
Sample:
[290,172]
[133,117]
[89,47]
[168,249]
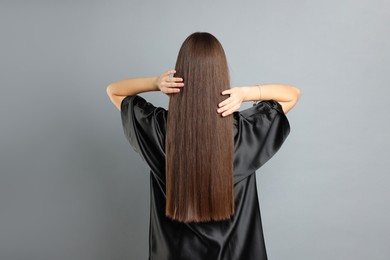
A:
[251,93]
[155,83]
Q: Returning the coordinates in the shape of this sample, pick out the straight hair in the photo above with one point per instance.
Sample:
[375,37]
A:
[199,141]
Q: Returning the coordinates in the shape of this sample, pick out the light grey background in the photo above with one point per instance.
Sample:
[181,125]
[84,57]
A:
[71,187]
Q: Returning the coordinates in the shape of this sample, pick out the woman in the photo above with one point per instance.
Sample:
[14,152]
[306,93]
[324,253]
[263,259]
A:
[203,154]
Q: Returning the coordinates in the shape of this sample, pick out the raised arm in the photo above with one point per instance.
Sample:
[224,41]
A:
[118,90]
[286,95]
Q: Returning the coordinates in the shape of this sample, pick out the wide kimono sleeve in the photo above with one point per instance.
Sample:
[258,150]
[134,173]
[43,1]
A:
[144,128]
[262,129]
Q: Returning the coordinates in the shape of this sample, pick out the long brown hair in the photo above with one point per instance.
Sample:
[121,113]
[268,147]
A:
[199,141]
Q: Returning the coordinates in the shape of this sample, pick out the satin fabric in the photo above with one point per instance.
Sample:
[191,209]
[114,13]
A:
[259,132]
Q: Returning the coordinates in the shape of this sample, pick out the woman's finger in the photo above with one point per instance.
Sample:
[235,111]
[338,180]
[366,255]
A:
[171,71]
[226,101]
[173,79]
[224,108]
[227,91]
[228,112]
[229,102]
[175,85]
[170,90]
[231,105]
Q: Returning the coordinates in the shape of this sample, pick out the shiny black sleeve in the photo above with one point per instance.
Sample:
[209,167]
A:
[144,128]
[262,129]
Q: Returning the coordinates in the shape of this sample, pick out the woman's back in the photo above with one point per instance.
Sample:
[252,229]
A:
[259,132]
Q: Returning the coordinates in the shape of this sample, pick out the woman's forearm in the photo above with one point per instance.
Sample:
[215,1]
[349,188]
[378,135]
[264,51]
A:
[133,86]
[286,95]
[278,92]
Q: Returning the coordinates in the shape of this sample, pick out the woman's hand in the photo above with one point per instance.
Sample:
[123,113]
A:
[232,103]
[169,85]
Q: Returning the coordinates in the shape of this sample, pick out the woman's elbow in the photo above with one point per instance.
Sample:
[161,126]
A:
[296,94]
[111,90]
[288,105]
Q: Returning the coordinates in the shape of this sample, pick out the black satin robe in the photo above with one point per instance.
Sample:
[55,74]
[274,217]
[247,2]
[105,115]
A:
[259,132]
